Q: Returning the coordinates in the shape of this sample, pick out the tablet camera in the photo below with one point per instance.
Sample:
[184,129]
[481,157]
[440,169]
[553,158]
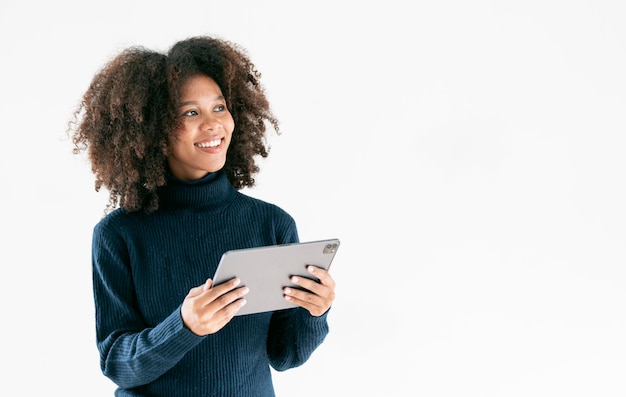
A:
[330,248]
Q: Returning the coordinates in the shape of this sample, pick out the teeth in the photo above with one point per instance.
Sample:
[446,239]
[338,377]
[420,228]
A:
[212,143]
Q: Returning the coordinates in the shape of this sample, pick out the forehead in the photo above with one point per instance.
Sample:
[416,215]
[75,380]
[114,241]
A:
[200,86]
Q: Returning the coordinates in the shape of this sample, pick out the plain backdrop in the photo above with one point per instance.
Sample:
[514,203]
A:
[468,154]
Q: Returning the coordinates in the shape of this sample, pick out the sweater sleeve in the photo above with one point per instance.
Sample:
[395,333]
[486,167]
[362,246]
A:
[294,334]
[131,354]
[293,337]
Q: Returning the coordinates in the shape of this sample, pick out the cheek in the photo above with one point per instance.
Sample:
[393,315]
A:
[229,125]
[182,129]
[178,141]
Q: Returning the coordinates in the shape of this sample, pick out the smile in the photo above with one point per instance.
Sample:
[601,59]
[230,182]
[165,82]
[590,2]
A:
[213,143]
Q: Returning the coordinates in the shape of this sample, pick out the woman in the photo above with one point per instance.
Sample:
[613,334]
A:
[173,137]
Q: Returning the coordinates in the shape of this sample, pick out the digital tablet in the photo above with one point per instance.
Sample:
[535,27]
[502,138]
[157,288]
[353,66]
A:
[266,270]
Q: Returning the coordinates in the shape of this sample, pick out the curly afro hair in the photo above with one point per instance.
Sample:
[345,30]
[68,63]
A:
[127,117]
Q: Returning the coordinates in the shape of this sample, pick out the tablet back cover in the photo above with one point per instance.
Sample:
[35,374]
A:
[266,270]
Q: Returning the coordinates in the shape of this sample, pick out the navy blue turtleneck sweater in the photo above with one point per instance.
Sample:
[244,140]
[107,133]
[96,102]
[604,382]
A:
[145,264]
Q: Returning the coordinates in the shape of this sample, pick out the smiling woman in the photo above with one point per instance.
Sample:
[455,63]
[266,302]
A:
[174,138]
[206,126]
[136,108]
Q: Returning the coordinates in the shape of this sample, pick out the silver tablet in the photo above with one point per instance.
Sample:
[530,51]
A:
[266,270]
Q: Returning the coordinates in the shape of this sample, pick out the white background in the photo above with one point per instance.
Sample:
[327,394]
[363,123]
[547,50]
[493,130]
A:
[469,155]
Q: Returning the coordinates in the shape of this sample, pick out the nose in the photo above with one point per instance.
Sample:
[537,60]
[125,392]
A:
[209,122]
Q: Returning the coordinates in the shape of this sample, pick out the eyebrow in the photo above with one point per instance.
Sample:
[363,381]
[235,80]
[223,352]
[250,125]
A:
[217,98]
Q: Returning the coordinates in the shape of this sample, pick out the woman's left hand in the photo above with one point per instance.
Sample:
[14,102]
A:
[319,297]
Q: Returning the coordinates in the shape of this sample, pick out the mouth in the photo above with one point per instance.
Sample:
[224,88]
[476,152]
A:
[208,144]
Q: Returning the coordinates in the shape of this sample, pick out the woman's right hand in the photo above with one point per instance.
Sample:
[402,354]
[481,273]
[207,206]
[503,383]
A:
[207,309]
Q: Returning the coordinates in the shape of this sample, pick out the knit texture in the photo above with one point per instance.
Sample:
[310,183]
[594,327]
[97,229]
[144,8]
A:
[145,264]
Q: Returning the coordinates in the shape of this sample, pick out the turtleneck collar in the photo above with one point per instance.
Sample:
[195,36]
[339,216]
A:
[210,192]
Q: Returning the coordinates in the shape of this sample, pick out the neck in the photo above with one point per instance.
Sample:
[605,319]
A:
[212,191]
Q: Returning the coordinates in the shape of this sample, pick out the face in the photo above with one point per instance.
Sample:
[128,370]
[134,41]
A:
[206,127]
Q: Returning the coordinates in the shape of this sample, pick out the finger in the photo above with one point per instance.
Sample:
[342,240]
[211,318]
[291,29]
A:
[319,295]
[295,294]
[226,285]
[209,311]
[325,291]
[232,300]
[311,302]
[322,275]
[308,284]
[213,292]
[196,291]
[224,308]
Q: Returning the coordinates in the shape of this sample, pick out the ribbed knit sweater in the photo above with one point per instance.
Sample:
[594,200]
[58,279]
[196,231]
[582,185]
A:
[145,264]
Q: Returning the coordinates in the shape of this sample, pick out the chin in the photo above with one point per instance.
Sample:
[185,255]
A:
[215,168]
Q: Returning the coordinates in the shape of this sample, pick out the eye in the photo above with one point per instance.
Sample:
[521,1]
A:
[190,113]
[219,108]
